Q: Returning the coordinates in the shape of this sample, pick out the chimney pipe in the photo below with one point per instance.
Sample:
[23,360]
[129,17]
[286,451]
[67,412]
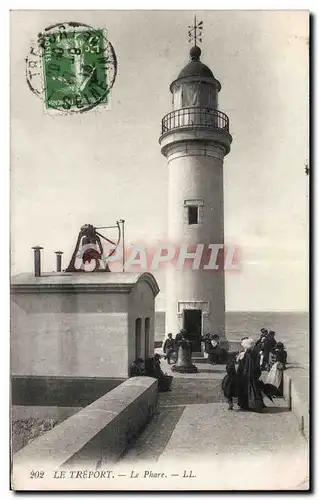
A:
[37,260]
[58,261]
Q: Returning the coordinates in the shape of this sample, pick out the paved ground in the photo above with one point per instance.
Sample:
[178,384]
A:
[243,450]
[193,428]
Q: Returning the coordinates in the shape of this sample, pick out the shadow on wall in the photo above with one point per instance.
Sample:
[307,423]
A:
[59,391]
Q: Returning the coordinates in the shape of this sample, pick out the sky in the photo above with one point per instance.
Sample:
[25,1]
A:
[106,164]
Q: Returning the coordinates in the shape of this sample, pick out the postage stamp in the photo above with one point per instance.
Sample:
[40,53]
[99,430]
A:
[75,67]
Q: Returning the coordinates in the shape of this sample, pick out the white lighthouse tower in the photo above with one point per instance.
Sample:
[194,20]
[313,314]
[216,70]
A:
[195,139]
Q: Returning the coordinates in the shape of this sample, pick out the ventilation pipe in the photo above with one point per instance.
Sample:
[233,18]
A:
[37,260]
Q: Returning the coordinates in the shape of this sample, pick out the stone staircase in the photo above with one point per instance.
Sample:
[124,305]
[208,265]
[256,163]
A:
[198,357]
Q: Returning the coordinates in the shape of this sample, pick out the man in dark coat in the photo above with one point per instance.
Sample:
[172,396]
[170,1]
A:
[259,347]
[169,347]
[263,334]
[269,346]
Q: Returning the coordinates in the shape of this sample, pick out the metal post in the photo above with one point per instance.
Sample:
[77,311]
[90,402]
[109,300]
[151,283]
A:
[58,254]
[122,221]
[37,260]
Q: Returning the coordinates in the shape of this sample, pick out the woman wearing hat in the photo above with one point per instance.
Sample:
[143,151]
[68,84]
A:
[242,379]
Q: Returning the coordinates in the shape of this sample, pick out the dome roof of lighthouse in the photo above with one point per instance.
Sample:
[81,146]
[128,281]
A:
[196,70]
[195,67]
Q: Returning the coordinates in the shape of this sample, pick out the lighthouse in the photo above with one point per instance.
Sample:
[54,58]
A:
[195,139]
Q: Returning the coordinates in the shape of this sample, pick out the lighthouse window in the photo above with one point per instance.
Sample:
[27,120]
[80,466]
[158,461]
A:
[192,214]
[177,98]
[193,211]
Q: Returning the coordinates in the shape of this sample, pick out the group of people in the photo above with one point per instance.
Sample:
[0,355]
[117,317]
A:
[171,345]
[243,374]
[151,367]
[269,350]
[213,352]
[211,348]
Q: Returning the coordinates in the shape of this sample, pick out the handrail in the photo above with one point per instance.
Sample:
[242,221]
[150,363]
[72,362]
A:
[195,117]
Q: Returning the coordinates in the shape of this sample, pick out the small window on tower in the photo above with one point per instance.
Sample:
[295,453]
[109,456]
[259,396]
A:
[192,214]
[193,211]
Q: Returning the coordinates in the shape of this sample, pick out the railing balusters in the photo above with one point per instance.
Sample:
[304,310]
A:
[203,117]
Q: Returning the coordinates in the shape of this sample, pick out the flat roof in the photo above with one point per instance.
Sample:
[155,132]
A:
[81,281]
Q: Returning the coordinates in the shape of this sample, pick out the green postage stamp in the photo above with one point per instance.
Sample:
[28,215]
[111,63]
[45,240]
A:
[78,67]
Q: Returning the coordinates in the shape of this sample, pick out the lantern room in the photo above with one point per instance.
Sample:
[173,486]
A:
[195,85]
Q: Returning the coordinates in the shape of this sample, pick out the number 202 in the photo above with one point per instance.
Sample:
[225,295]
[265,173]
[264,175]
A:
[36,474]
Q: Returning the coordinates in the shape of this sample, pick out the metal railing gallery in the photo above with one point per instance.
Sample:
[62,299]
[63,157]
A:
[202,117]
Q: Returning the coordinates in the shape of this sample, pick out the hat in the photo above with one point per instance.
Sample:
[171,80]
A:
[248,343]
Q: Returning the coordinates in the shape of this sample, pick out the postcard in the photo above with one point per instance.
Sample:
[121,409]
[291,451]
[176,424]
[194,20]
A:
[160,171]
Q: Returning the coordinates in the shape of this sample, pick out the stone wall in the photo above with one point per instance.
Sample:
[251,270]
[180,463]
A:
[80,325]
[296,394]
[95,436]
[78,334]
[141,305]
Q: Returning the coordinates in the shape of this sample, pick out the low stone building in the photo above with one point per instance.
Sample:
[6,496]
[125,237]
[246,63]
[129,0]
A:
[81,324]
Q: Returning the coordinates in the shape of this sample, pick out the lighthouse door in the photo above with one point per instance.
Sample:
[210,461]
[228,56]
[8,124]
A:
[193,325]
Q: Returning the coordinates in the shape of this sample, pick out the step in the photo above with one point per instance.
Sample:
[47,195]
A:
[198,359]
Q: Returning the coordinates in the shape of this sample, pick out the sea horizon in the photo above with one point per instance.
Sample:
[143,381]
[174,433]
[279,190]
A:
[291,328]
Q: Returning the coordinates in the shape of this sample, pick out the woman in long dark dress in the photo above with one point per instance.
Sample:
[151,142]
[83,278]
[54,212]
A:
[242,379]
[214,353]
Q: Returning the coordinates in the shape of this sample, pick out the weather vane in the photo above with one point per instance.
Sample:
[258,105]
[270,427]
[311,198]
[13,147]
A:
[195,32]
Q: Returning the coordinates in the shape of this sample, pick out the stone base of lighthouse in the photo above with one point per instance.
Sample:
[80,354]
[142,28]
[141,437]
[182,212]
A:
[195,300]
